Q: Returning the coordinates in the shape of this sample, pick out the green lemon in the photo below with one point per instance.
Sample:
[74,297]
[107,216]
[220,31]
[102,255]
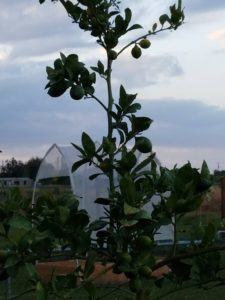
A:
[135,285]
[77,92]
[143,144]
[124,258]
[144,242]
[145,43]
[112,54]
[145,271]
[136,52]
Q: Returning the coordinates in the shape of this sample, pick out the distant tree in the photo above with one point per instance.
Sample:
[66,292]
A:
[17,168]
[12,168]
[218,175]
[31,167]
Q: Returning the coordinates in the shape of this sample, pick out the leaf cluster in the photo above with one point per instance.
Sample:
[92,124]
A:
[69,73]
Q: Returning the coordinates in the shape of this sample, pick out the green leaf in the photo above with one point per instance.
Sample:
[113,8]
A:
[120,25]
[128,189]
[133,108]
[63,57]
[130,210]
[31,270]
[90,264]
[88,144]
[20,222]
[78,164]
[128,15]
[16,234]
[128,161]
[143,215]
[154,27]
[41,293]
[163,19]
[128,223]
[73,10]
[91,289]
[122,126]
[58,64]
[74,67]
[140,124]
[103,201]
[93,176]
[144,163]
[134,27]
[11,261]
[123,97]
[95,69]
[97,225]
[100,67]
[122,136]
[108,146]
[80,219]
[57,89]
[79,149]
[63,214]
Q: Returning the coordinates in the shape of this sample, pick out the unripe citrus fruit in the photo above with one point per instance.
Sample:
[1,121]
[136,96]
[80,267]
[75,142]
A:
[124,258]
[143,144]
[145,43]
[144,242]
[112,54]
[136,51]
[77,92]
[135,285]
[145,271]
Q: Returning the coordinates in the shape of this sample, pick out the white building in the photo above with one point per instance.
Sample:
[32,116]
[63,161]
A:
[16,181]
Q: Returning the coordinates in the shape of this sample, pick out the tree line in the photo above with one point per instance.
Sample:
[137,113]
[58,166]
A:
[18,168]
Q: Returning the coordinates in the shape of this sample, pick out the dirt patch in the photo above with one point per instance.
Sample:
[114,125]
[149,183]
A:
[47,269]
[212,201]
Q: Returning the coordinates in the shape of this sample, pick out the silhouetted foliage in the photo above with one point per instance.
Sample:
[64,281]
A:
[17,168]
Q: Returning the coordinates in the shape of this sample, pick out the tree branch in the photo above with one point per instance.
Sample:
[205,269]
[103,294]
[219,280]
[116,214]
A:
[142,37]
[186,256]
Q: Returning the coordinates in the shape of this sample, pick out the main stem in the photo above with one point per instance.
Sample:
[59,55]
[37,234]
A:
[110,124]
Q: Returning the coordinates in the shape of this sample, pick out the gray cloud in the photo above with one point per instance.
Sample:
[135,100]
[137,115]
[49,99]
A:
[186,123]
[197,6]
[141,72]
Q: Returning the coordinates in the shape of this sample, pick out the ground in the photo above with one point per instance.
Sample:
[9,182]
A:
[63,267]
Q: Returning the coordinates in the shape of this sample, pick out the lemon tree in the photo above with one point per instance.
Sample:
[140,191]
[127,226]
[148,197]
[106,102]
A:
[125,236]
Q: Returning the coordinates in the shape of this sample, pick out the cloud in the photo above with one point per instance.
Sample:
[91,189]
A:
[186,123]
[218,36]
[152,69]
[197,6]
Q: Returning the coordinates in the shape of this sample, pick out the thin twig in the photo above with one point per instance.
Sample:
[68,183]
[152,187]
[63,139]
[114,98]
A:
[142,37]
